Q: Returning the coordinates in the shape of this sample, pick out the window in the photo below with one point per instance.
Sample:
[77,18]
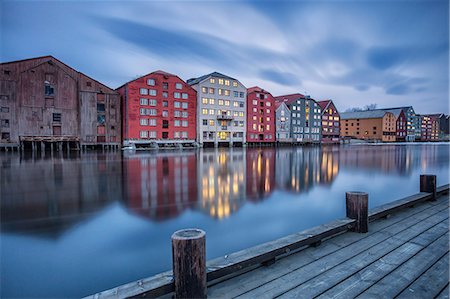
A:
[220,91]
[211,101]
[144,122]
[101,119]
[143,91]
[184,123]
[184,105]
[220,102]
[152,102]
[49,89]
[227,92]
[143,101]
[176,95]
[227,82]
[235,104]
[211,122]
[184,114]
[184,96]
[235,94]
[211,111]
[212,80]
[177,113]
[165,124]
[221,81]
[184,134]
[176,123]
[151,82]
[5,136]
[204,90]
[152,122]
[165,104]
[227,103]
[241,104]
[178,85]
[57,117]
[165,94]
[204,111]
[205,122]
[204,101]
[268,104]
[165,113]
[176,104]
[165,85]
[152,134]
[235,84]
[241,94]
[241,113]
[211,90]
[4,109]
[152,92]
[255,102]
[176,135]
[143,134]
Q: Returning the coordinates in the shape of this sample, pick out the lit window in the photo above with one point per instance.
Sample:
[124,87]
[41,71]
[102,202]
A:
[227,103]
[204,90]
[211,90]
[211,101]
[227,82]
[211,122]
[212,80]
[227,92]
[268,104]
[204,101]
[221,81]
[235,84]
[255,102]
[204,111]
[211,111]
[165,113]
[220,102]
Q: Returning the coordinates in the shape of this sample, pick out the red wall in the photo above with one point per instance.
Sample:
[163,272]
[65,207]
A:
[401,127]
[131,96]
[251,95]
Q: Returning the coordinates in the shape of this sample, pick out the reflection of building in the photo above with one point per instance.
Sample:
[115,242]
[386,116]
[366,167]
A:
[221,181]
[300,169]
[161,186]
[305,117]
[260,116]
[376,125]
[50,193]
[260,172]
[330,122]
[44,102]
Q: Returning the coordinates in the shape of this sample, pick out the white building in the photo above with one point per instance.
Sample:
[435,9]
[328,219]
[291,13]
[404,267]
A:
[221,109]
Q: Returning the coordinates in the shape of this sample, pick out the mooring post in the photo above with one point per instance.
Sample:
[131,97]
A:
[358,209]
[428,184]
[189,263]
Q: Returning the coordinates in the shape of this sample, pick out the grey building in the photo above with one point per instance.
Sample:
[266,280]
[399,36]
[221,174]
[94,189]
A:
[306,118]
[411,122]
[282,122]
[221,110]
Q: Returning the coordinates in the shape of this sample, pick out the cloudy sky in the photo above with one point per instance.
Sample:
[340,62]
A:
[391,53]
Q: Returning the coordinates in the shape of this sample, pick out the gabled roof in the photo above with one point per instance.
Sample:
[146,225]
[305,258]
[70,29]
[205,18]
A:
[194,81]
[395,111]
[160,72]
[49,57]
[257,89]
[289,98]
[363,114]
[324,104]
[278,104]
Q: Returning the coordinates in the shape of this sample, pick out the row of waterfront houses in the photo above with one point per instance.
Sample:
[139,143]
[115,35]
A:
[47,104]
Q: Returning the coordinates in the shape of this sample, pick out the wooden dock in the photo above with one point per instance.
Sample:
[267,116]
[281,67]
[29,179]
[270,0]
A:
[404,254]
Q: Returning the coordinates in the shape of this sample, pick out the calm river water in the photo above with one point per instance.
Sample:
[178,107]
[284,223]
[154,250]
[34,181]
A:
[76,225]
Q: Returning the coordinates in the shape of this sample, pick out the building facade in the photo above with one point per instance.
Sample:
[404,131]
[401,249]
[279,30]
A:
[305,118]
[400,123]
[429,127]
[221,109]
[158,108]
[260,116]
[330,122]
[371,125]
[283,122]
[45,104]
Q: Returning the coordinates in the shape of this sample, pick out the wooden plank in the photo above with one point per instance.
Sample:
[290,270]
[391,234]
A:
[444,189]
[384,250]
[292,279]
[249,281]
[396,281]
[431,283]
[445,293]
[359,282]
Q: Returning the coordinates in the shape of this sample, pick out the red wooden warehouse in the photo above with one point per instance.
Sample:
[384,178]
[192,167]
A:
[158,109]
[260,116]
[330,122]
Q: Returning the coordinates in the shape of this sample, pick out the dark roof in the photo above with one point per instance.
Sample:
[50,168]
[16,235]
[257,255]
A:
[257,89]
[52,57]
[194,81]
[395,111]
[289,98]
[363,114]
[278,104]
[155,72]
[324,104]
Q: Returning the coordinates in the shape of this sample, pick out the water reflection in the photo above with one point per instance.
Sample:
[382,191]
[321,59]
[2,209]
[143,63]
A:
[96,213]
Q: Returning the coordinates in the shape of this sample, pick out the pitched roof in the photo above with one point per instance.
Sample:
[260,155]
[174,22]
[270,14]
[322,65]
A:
[324,104]
[363,114]
[395,111]
[289,98]
[279,103]
[159,72]
[194,81]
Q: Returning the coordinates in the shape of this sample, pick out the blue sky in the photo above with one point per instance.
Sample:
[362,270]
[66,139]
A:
[391,53]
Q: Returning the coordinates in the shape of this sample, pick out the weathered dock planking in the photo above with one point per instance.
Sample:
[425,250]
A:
[346,265]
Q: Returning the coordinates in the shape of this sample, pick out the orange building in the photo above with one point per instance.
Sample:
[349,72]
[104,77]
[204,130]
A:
[369,125]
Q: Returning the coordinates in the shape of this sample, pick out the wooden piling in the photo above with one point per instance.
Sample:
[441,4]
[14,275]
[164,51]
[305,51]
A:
[358,209]
[189,263]
[428,184]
